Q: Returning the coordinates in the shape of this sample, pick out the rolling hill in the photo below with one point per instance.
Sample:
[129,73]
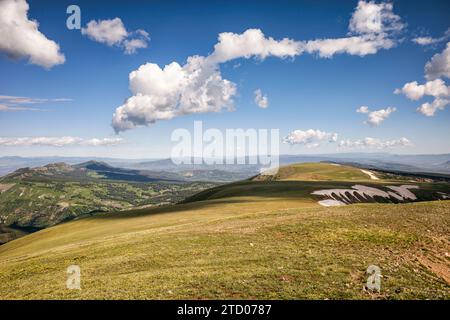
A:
[35,198]
[266,238]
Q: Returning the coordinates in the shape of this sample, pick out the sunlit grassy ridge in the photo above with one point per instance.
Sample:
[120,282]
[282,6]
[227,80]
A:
[252,239]
[317,172]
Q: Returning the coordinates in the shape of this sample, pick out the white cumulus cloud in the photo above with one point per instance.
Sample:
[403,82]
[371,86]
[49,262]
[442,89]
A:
[430,108]
[378,18]
[109,31]
[374,118]
[20,37]
[439,65]
[436,89]
[310,138]
[363,109]
[261,100]
[162,93]
[253,43]
[195,87]
[113,33]
[372,27]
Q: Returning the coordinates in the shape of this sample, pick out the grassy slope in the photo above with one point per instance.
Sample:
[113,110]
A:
[275,242]
[318,172]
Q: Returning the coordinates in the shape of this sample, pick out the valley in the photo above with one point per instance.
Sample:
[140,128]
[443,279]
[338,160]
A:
[40,197]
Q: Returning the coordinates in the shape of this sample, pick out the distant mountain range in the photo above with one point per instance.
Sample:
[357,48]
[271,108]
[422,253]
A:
[166,169]
[146,171]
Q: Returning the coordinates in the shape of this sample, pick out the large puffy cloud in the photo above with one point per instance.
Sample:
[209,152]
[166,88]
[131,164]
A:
[58,141]
[371,17]
[374,118]
[162,93]
[436,88]
[195,87]
[374,143]
[21,38]
[261,100]
[439,65]
[372,27]
[113,33]
[310,138]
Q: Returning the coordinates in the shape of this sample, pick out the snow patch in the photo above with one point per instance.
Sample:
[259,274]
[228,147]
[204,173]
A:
[331,203]
[347,196]
[404,192]
[444,195]
[370,174]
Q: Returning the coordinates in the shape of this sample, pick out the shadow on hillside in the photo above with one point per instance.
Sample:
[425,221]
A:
[254,191]
[236,193]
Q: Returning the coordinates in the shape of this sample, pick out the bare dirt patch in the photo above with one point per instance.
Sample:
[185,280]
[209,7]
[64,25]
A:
[6,186]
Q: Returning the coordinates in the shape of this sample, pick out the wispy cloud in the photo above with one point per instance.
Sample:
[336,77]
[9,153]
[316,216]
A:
[58,141]
[15,103]
[7,108]
[374,143]
[427,40]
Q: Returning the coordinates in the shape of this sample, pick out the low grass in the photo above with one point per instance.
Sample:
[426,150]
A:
[318,172]
[247,240]
[242,248]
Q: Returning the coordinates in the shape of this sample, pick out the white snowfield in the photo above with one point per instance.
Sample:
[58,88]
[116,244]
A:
[444,195]
[342,196]
[331,203]
[370,174]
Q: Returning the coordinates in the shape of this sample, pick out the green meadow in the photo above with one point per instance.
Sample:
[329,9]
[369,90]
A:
[254,239]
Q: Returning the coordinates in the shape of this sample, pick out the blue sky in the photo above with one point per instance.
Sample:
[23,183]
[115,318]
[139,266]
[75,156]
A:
[305,91]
